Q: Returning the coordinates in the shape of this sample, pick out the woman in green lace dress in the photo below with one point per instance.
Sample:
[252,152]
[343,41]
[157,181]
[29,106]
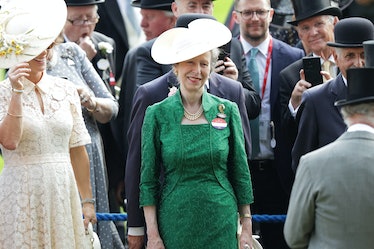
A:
[194,142]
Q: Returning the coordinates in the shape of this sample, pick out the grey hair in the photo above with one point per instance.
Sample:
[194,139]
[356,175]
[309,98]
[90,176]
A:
[366,110]
[214,57]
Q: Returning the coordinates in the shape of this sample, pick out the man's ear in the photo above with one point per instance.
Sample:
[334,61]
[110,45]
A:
[174,8]
[235,16]
[336,20]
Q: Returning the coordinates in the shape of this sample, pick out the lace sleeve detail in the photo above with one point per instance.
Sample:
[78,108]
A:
[5,95]
[79,134]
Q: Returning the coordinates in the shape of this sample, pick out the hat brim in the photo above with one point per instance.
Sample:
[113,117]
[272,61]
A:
[31,28]
[181,44]
[333,11]
[152,7]
[344,102]
[85,4]
[344,45]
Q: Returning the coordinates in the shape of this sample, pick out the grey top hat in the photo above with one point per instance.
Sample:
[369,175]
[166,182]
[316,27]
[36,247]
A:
[352,32]
[305,9]
[82,2]
[369,53]
[153,4]
[360,89]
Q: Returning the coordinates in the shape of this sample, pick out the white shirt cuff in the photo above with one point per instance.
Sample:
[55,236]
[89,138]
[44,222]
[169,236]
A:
[136,231]
[293,111]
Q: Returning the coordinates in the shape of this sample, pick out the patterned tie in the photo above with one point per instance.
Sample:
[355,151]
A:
[253,70]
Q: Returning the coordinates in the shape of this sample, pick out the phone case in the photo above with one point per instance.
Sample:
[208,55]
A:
[312,69]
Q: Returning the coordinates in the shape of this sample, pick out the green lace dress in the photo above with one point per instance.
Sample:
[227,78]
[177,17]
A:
[205,174]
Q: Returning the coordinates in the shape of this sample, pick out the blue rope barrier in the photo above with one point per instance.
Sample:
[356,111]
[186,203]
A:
[263,218]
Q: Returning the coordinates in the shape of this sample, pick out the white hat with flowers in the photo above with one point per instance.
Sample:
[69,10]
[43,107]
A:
[29,27]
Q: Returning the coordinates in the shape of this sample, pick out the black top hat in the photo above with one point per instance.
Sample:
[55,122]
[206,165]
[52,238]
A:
[305,9]
[82,2]
[153,4]
[369,53]
[360,88]
[184,19]
[352,32]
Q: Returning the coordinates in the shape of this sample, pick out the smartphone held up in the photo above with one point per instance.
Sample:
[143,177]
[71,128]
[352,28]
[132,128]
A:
[312,70]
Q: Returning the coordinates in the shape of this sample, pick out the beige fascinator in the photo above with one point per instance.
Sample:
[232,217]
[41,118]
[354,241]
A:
[29,27]
[181,44]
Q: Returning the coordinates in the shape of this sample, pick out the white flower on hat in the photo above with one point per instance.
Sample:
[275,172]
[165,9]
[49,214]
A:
[105,47]
[11,43]
[26,29]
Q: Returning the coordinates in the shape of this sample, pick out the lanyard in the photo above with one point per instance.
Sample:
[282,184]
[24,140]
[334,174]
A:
[267,66]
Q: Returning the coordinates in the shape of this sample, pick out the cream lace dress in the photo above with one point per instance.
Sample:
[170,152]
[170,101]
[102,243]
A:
[39,200]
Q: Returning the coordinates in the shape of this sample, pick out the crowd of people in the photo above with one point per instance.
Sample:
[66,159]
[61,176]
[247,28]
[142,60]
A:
[189,125]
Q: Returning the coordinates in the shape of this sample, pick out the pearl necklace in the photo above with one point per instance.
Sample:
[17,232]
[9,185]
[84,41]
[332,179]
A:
[193,116]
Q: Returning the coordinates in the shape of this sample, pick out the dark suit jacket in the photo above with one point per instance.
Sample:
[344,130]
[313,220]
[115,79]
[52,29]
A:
[126,94]
[320,122]
[111,24]
[148,69]
[282,56]
[154,92]
[289,76]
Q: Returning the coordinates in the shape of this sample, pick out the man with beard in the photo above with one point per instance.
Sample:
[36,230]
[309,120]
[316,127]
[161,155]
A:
[271,157]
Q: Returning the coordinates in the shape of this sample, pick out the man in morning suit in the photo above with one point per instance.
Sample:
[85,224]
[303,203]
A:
[146,95]
[332,203]
[314,22]
[270,164]
[320,122]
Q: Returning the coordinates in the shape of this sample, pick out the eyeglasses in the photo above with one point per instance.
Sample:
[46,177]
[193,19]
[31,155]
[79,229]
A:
[247,14]
[80,22]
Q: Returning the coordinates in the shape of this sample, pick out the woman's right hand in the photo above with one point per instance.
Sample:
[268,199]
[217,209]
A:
[16,73]
[155,243]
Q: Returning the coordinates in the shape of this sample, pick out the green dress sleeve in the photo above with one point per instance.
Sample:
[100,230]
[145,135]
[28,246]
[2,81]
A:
[150,161]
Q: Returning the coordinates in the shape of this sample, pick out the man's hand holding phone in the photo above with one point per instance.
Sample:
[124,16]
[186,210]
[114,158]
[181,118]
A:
[298,90]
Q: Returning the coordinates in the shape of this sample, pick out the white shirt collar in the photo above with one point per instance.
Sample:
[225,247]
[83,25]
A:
[361,127]
[263,47]
[331,58]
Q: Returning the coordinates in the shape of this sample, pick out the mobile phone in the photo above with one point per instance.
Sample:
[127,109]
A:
[312,70]
[224,51]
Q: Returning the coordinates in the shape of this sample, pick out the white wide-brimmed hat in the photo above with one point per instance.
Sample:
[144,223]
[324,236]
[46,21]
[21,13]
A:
[27,27]
[181,44]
